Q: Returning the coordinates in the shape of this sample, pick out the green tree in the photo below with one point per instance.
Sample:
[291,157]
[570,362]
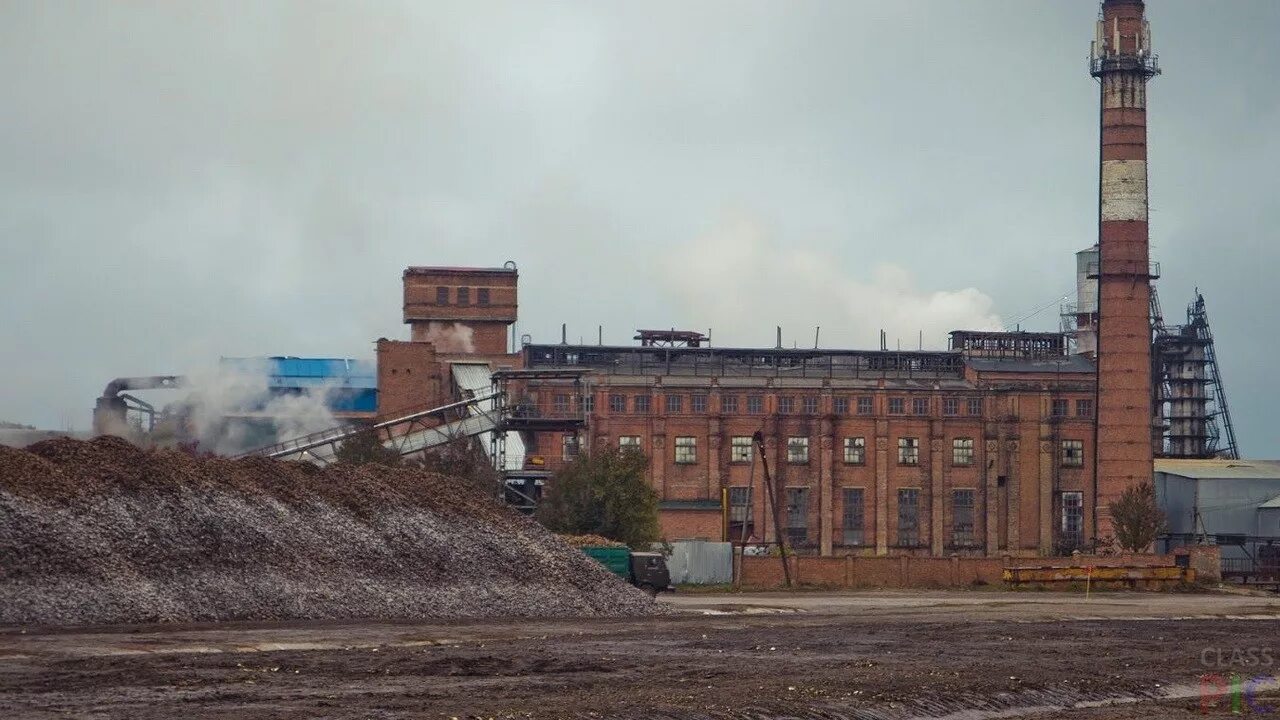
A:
[604,493]
[366,448]
[1137,517]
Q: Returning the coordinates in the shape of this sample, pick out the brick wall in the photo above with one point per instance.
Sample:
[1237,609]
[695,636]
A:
[872,572]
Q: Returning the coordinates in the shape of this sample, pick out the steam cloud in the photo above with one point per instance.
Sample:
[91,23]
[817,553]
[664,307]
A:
[743,283]
[450,337]
[220,397]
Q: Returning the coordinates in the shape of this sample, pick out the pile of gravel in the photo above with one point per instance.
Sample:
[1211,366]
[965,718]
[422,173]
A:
[105,532]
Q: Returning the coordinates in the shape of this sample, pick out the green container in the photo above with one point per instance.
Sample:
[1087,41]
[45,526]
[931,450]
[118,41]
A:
[616,559]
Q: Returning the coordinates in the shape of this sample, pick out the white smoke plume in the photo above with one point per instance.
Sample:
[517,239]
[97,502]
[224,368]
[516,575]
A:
[449,337]
[741,283]
[231,409]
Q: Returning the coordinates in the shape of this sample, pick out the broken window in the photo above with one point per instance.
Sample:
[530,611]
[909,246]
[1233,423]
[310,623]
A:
[962,451]
[1072,453]
[740,449]
[908,451]
[798,450]
[908,517]
[855,450]
[797,516]
[962,504]
[851,516]
[741,524]
[1059,407]
[617,403]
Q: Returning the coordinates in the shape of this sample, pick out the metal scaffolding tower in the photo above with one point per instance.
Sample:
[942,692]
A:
[1193,419]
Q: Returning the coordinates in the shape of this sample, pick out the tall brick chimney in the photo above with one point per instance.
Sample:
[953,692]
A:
[1122,61]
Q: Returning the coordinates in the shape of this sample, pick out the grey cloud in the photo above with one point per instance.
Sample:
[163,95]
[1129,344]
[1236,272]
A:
[182,180]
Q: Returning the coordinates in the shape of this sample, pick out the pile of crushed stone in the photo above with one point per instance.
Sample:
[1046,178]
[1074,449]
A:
[105,532]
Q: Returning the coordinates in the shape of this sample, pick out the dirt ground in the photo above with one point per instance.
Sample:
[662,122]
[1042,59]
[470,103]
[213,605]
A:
[803,655]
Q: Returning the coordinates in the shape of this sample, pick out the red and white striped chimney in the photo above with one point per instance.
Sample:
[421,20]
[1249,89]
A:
[1123,62]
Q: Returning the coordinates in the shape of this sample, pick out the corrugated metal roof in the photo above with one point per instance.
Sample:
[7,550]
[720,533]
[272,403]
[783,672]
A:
[1270,504]
[477,378]
[1060,364]
[1222,469]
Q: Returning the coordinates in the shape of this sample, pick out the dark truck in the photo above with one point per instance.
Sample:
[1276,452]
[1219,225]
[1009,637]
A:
[645,570]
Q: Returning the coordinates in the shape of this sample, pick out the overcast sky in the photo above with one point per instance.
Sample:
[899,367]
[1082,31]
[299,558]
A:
[182,181]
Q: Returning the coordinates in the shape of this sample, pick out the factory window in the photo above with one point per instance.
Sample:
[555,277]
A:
[698,403]
[908,517]
[962,451]
[797,517]
[755,404]
[810,405]
[855,450]
[1072,453]
[675,403]
[840,405]
[729,404]
[950,406]
[866,406]
[962,518]
[786,405]
[919,406]
[908,451]
[686,450]
[561,403]
[640,404]
[482,296]
[798,450]
[1072,527]
[851,516]
[442,296]
[629,442]
[570,447]
[464,296]
[896,405]
[741,526]
[1084,408]
[617,403]
[588,403]
[740,449]
[1059,408]
[975,407]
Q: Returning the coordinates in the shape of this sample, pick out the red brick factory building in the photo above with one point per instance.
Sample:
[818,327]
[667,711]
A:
[987,448]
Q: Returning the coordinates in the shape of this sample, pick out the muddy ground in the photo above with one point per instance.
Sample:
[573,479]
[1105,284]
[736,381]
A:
[863,655]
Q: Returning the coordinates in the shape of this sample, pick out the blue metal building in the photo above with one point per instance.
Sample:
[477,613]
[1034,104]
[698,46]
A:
[348,386]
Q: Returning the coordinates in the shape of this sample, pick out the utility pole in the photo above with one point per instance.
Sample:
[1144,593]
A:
[772,494]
